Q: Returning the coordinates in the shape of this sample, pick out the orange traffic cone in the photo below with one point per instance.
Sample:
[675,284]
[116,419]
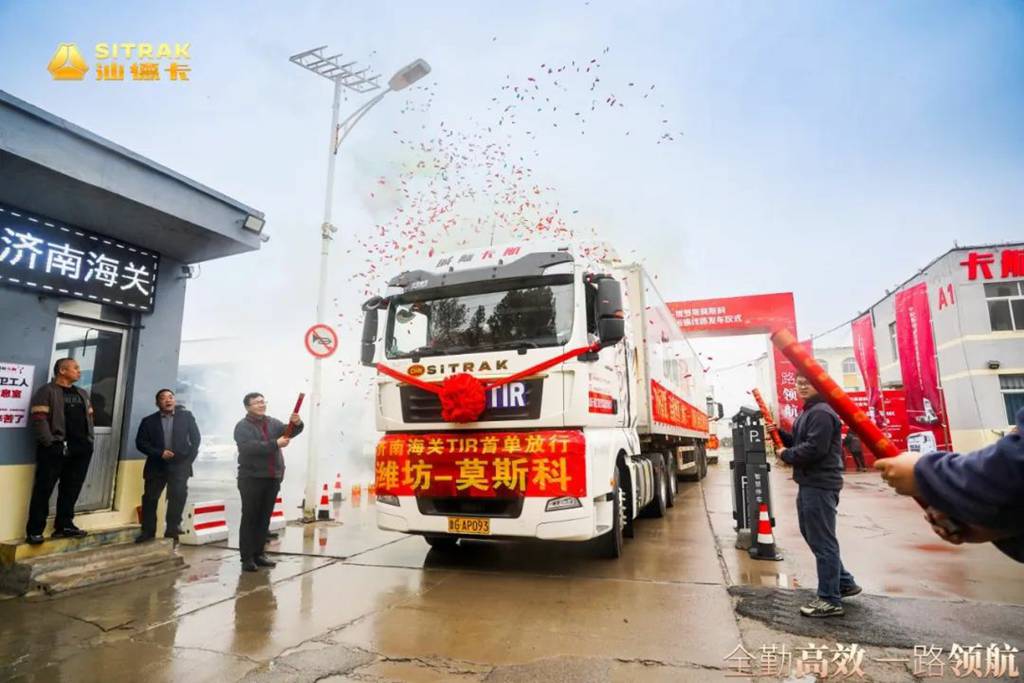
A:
[371,489]
[357,490]
[323,512]
[764,548]
[339,492]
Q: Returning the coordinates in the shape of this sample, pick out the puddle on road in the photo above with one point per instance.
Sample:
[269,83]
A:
[769,579]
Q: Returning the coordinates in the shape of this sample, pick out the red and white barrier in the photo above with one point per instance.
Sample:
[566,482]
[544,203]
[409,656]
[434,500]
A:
[277,520]
[204,523]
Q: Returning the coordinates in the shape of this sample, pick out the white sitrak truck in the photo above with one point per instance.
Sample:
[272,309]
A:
[530,391]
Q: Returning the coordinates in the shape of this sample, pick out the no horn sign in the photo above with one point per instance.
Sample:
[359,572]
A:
[321,340]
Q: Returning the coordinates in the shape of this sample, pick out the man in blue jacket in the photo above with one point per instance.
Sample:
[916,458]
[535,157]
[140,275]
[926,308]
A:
[983,491]
[815,451]
[169,438]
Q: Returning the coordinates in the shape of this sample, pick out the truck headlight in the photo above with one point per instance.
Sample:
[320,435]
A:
[565,503]
[387,499]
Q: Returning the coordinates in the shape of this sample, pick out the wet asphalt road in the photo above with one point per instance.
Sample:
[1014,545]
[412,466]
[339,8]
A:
[349,602]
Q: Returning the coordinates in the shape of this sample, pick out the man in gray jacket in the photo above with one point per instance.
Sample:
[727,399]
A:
[260,470]
[62,422]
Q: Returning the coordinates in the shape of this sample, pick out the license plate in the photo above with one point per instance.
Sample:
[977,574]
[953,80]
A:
[475,526]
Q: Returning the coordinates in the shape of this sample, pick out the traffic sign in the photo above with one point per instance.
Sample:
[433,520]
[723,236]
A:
[321,340]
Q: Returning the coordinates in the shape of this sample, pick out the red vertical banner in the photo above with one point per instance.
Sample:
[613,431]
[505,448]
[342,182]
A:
[918,366]
[867,361]
[790,404]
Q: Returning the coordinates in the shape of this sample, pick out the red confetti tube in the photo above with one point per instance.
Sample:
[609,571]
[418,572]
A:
[773,429]
[289,428]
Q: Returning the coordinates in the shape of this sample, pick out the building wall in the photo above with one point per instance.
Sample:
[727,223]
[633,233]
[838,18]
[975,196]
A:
[965,345]
[27,336]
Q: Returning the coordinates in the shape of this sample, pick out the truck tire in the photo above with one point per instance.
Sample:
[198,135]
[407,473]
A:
[656,508]
[610,544]
[702,462]
[672,475]
[442,543]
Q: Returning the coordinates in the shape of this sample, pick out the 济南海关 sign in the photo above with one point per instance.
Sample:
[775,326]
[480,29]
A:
[15,394]
[43,255]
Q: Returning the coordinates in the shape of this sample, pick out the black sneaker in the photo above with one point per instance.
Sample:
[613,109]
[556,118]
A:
[34,539]
[820,609]
[850,591]
[249,566]
[142,538]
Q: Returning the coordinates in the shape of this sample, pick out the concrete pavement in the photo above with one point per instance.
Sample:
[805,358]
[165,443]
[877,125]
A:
[348,602]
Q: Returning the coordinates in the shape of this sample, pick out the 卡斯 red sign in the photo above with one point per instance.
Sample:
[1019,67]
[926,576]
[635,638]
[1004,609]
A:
[544,463]
[980,263]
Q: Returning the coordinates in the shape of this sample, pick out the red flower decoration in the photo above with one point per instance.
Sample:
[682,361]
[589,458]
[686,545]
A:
[463,398]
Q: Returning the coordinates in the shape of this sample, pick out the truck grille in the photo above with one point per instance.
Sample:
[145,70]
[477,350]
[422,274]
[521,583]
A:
[509,508]
[423,406]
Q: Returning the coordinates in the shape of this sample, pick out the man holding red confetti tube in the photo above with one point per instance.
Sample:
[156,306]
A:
[815,451]
[983,491]
[260,440]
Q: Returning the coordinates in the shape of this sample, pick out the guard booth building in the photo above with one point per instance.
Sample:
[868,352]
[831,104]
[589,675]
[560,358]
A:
[95,247]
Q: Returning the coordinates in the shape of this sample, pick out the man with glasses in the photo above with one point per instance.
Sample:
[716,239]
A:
[815,451]
[260,440]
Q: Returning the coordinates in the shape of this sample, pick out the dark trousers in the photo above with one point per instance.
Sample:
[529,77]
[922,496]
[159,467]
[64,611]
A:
[177,491]
[858,457]
[258,496]
[816,512]
[53,466]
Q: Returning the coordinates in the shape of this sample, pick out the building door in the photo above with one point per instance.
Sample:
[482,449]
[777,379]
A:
[100,351]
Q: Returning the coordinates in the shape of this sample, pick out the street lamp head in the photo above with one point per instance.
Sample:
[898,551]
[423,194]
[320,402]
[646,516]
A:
[409,74]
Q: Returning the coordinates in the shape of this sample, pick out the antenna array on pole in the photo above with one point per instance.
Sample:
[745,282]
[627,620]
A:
[332,68]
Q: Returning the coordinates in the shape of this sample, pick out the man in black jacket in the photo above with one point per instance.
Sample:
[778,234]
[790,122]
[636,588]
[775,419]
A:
[816,454]
[62,419]
[169,438]
[260,470]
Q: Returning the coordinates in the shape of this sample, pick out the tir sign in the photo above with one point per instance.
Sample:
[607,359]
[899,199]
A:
[507,396]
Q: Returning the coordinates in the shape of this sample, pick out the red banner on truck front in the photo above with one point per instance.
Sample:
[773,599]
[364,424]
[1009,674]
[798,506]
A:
[667,408]
[542,464]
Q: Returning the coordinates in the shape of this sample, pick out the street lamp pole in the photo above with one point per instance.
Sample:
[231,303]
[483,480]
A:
[343,75]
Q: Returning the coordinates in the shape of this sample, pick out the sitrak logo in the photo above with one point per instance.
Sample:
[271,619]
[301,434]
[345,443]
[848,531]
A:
[67,63]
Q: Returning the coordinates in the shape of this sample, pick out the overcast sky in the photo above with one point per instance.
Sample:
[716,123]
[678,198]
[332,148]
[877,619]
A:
[825,148]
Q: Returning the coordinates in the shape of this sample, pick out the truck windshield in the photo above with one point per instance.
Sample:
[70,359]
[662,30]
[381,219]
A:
[536,314]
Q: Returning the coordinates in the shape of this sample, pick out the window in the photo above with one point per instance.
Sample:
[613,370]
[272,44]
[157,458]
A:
[849,366]
[1013,394]
[1005,305]
[892,341]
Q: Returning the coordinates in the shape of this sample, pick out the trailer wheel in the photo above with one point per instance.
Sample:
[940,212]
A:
[702,461]
[656,508]
[442,543]
[673,478]
[610,544]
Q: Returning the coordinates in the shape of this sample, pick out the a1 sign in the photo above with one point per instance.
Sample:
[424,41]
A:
[321,340]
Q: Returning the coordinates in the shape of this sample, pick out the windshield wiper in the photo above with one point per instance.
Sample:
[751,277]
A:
[520,345]
[433,351]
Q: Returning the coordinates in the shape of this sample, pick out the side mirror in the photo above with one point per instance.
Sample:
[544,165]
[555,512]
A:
[611,321]
[370,323]
[715,410]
